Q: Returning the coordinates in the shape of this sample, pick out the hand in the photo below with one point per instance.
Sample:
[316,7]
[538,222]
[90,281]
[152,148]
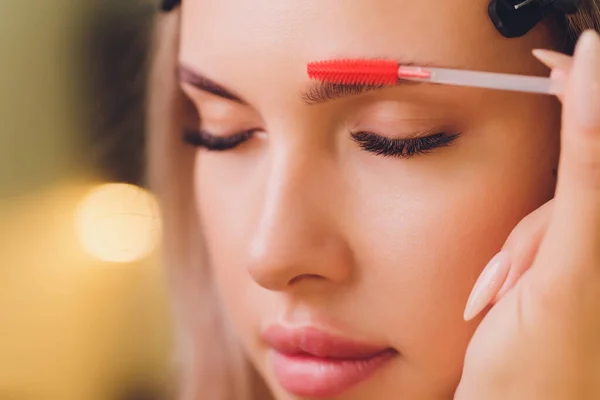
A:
[541,339]
[521,247]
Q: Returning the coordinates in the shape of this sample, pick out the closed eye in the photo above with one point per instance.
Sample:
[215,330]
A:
[371,142]
[402,148]
[201,138]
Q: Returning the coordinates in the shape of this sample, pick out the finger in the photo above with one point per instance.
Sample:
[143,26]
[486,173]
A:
[505,269]
[559,63]
[487,286]
[522,246]
[560,76]
[554,59]
[574,231]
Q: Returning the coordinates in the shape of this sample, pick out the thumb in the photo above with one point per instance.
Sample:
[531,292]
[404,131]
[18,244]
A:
[574,232]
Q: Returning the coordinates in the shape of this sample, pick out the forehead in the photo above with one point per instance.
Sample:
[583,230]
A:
[273,40]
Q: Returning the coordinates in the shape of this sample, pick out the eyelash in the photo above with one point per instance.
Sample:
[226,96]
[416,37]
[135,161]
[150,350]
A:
[373,143]
[403,148]
[210,142]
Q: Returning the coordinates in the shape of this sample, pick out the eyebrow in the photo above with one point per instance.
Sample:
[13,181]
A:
[322,92]
[195,79]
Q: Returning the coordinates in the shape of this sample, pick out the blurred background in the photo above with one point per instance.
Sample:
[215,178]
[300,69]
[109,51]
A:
[83,311]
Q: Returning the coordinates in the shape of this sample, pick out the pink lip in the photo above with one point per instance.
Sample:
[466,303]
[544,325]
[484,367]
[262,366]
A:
[311,363]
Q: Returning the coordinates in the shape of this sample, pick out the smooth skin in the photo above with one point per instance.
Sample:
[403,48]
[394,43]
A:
[303,227]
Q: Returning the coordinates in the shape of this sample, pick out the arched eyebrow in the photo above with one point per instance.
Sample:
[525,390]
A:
[193,78]
[315,93]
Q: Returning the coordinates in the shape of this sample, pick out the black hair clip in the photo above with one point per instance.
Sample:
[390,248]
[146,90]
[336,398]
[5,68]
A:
[514,18]
[169,5]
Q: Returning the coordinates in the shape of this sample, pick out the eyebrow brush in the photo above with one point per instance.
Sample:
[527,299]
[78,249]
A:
[388,72]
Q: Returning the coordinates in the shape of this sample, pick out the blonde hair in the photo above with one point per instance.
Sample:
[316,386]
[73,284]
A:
[211,363]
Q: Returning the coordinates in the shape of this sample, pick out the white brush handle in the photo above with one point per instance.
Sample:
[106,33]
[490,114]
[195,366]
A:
[489,80]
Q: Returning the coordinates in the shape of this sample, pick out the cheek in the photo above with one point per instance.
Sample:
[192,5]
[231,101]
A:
[422,234]
[228,197]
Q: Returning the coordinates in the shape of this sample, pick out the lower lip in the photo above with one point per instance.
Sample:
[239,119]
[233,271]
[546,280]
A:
[308,376]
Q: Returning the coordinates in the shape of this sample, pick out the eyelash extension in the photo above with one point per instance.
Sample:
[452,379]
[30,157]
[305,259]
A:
[201,138]
[379,145]
[402,148]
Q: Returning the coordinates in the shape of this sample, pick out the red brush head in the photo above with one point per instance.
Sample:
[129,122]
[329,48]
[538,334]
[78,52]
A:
[355,72]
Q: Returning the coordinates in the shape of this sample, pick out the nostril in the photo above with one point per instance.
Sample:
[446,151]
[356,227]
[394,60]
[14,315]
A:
[304,277]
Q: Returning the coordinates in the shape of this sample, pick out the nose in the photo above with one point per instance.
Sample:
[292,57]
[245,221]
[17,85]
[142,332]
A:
[297,240]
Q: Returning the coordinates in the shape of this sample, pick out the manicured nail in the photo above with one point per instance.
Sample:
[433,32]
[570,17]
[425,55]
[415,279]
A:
[586,80]
[553,59]
[488,284]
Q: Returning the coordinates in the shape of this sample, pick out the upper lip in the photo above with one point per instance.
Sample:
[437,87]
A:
[310,341]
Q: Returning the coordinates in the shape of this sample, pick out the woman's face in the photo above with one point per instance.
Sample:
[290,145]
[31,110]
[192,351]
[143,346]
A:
[320,230]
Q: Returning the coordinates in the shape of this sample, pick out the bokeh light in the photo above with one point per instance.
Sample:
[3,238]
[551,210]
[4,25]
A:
[118,223]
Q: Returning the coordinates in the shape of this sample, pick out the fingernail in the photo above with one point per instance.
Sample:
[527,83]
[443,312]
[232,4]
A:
[553,59]
[488,284]
[586,79]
